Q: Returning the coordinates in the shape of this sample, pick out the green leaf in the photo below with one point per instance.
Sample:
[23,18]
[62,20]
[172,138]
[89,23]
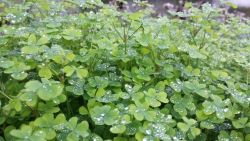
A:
[144,39]
[99,82]
[30,98]
[195,131]
[43,40]
[104,115]
[4,63]
[83,111]
[183,127]
[72,137]
[81,129]
[32,39]
[33,85]
[82,73]
[154,99]
[17,71]
[118,129]
[240,123]
[72,34]
[49,90]
[69,70]
[45,73]
[207,125]
[196,54]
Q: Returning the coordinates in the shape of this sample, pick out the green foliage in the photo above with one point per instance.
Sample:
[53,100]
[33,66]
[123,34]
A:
[81,70]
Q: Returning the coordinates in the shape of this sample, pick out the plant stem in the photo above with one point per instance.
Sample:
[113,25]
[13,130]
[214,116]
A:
[135,31]
[117,31]
[4,94]
[125,40]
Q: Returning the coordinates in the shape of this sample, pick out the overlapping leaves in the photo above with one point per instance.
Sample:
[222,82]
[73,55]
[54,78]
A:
[98,73]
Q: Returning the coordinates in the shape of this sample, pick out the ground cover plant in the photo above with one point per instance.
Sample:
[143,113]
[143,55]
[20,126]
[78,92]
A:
[104,74]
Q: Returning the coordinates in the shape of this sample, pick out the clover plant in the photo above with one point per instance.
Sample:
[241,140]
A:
[81,70]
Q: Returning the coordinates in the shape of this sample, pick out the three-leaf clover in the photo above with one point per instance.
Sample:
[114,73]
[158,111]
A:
[141,112]
[155,131]
[48,124]
[26,133]
[240,123]
[104,115]
[76,86]
[78,130]
[80,72]
[189,126]
[151,97]
[35,45]
[46,90]
[99,82]
[72,34]
[195,87]
[17,70]
[181,104]
[217,106]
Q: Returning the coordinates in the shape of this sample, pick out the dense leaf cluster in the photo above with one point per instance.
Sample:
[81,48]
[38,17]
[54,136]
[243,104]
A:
[102,74]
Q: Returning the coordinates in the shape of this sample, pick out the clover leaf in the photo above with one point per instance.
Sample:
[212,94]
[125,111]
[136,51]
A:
[240,123]
[106,96]
[155,131]
[141,112]
[5,63]
[118,129]
[217,106]
[177,86]
[46,122]
[195,87]
[144,39]
[26,133]
[72,34]
[99,82]
[155,98]
[59,54]
[234,135]
[76,86]
[77,129]
[104,115]
[189,126]
[46,90]
[34,45]
[30,98]
[80,72]
[45,73]
[181,104]
[17,71]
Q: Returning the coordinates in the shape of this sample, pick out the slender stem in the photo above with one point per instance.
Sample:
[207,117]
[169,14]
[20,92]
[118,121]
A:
[4,94]
[135,31]
[69,109]
[59,78]
[203,40]
[117,31]
[125,39]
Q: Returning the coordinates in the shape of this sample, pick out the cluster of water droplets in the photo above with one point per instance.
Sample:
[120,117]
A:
[132,52]
[177,86]
[100,119]
[108,97]
[223,126]
[11,17]
[129,88]
[77,86]
[159,131]
[239,96]
[103,67]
